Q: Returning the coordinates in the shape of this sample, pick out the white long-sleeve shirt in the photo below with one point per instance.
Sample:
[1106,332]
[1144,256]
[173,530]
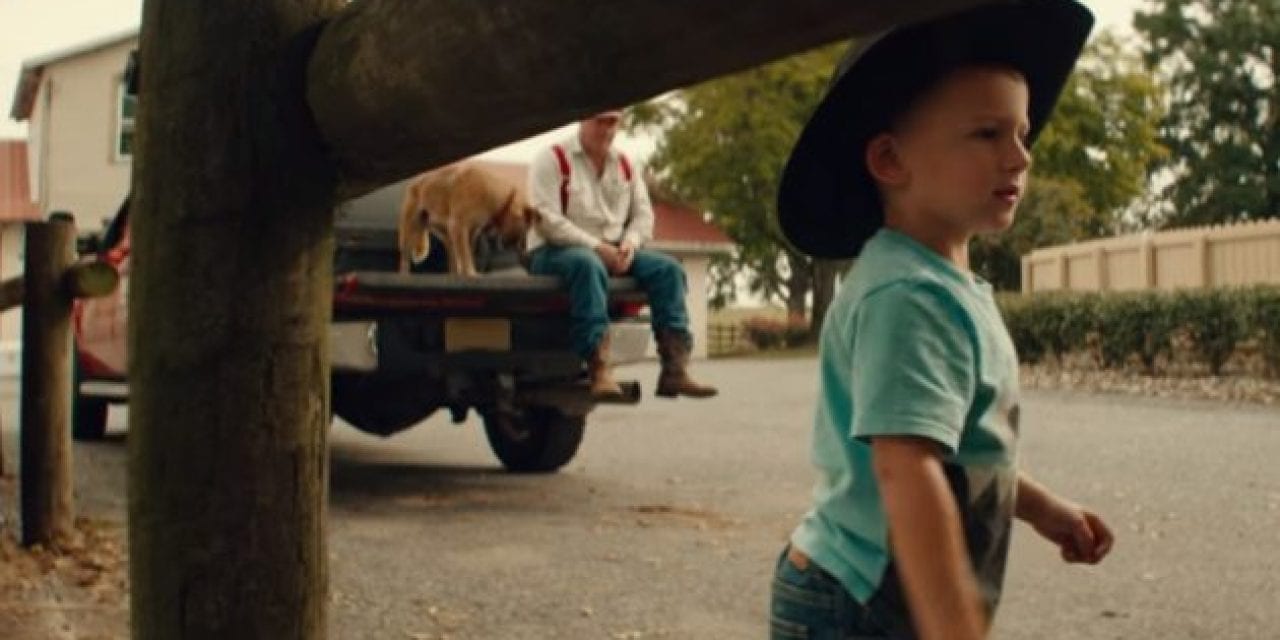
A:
[605,208]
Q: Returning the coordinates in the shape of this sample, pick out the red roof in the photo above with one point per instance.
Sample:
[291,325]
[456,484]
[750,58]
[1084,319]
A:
[15,194]
[674,224]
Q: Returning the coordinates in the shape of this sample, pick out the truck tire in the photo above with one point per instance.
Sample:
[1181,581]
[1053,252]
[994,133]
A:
[88,415]
[88,419]
[537,440]
[381,404]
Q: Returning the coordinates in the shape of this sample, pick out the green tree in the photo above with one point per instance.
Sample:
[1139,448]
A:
[1053,212]
[1104,134]
[1221,61]
[722,148]
[723,144]
[1092,161]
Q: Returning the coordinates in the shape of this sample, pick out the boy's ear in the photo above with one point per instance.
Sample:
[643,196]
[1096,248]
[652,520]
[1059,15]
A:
[883,162]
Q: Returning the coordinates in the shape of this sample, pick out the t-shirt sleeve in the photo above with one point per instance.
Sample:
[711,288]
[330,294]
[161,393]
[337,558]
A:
[913,365]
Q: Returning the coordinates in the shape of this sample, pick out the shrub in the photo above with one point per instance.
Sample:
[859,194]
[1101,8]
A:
[1017,310]
[1134,323]
[1058,323]
[1262,313]
[764,332]
[1215,320]
[771,333]
[1122,325]
[797,331]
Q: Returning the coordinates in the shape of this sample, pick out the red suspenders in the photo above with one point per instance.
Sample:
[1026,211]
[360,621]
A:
[566,169]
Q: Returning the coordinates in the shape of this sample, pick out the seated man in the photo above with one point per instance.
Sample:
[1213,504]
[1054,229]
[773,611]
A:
[594,217]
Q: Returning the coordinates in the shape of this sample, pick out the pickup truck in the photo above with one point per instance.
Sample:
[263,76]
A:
[404,346]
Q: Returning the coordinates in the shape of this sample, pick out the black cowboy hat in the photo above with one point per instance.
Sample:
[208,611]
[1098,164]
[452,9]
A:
[828,205]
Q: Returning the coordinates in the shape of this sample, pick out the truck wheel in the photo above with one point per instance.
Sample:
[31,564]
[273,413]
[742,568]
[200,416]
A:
[88,415]
[89,419]
[381,404]
[537,440]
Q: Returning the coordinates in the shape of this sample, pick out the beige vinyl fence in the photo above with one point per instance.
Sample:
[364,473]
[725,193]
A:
[1218,256]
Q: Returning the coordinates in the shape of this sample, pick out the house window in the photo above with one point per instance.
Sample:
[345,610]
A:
[126,108]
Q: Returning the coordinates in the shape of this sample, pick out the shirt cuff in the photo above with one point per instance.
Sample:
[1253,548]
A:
[634,238]
[872,426]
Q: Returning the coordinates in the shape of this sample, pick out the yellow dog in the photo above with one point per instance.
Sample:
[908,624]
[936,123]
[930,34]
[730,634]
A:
[457,203]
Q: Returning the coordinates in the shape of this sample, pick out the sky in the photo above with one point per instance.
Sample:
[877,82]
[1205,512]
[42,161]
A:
[33,28]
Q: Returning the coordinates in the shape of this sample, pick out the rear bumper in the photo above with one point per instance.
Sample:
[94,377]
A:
[359,346]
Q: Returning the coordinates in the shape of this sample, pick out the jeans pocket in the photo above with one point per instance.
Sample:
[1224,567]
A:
[804,603]
[781,629]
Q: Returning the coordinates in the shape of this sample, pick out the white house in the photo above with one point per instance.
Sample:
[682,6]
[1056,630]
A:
[80,136]
[80,128]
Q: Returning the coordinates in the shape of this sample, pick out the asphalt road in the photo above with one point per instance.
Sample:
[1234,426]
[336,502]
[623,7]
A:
[668,522]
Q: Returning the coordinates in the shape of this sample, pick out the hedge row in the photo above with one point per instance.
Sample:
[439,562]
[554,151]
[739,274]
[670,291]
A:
[771,333]
[1120,326]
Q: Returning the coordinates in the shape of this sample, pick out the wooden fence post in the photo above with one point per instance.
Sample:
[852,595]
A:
[1204,268]
[44,444]
[1147,261]
[46,383]
[1064,278]
[1103,266]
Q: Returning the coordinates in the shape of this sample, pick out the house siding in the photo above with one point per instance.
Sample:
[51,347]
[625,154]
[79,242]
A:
[74,129]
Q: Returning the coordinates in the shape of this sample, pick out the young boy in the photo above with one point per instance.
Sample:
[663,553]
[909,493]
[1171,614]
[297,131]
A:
[921,142]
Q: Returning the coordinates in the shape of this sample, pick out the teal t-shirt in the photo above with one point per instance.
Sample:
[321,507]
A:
[911,345]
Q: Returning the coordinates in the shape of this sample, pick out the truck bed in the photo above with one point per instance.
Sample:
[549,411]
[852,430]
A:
[359,294]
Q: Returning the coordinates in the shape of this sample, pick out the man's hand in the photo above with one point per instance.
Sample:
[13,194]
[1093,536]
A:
[610,255]
[626,256]
[1080,534]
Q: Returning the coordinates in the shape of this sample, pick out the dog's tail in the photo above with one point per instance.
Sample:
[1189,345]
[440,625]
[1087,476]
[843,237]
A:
[414,243]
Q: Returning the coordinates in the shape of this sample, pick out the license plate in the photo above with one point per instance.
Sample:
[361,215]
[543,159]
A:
[471,334]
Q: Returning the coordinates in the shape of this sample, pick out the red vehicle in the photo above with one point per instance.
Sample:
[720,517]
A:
[405,345]
[101,359]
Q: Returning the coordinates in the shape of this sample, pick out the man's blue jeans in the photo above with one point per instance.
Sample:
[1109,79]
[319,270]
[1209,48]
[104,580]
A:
[587,279]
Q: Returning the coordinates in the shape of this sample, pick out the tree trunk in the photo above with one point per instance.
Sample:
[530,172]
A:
[824,290]
[229,307]
[401,86]
[799,284]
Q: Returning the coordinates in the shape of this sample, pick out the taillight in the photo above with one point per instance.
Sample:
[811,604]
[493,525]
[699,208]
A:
[347,285]
[630,309]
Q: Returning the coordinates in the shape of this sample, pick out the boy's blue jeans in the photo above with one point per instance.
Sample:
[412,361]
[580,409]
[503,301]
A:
[584,273]
[810,603]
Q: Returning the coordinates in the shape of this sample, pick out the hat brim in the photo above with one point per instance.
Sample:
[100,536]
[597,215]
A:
[828,205]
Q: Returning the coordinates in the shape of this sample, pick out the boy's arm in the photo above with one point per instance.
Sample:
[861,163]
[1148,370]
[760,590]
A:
[928,544]
[1080,534]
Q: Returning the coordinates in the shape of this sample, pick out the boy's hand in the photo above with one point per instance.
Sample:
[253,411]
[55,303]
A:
[1080,534]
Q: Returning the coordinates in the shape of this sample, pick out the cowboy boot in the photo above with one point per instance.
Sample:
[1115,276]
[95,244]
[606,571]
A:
[674,380]
[603,386]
